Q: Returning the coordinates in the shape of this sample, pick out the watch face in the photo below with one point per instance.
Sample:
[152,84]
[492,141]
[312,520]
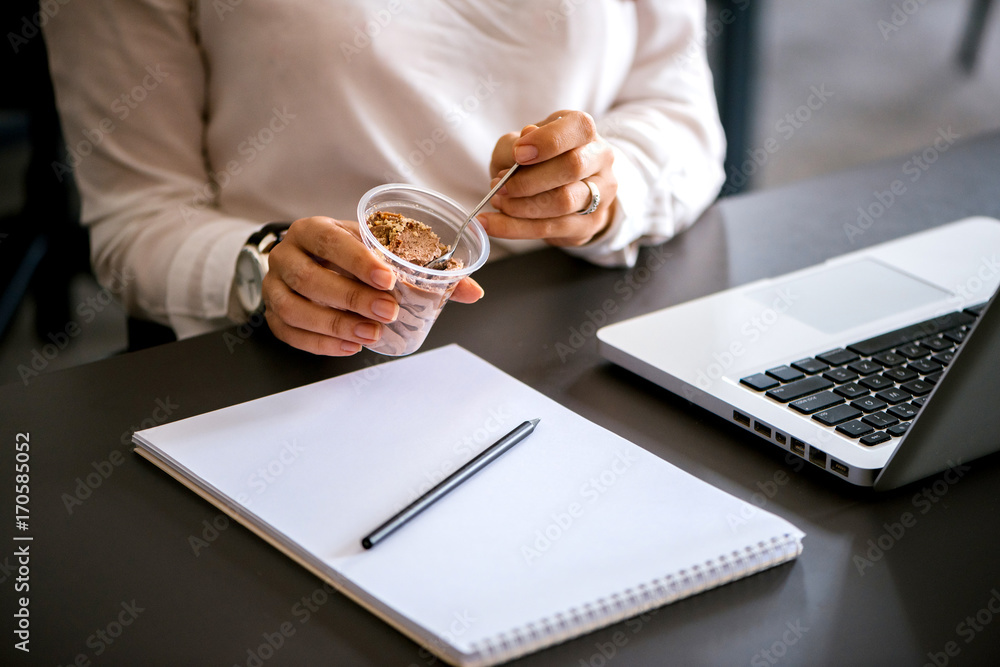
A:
[249,280]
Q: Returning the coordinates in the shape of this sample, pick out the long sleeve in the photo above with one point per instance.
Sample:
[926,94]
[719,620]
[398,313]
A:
[665,131]
[131,86]
[191,123]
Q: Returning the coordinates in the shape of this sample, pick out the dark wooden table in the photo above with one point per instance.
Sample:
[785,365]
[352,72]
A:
[127,567]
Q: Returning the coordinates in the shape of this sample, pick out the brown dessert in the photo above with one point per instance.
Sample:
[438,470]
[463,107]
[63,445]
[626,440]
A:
[409,239]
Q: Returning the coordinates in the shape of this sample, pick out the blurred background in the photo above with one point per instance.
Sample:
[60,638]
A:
[805,88]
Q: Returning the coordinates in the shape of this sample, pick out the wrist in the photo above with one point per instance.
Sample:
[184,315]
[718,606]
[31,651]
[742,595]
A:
[252,266]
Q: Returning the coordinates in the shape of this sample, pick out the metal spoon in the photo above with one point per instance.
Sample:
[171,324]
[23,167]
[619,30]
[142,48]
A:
[441,261]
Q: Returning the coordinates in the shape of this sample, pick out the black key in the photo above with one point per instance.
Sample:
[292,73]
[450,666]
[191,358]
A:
[917,388]
[785,374]
[936,343]
[924,366]
[851,390]
[912,351]
[957,335]
[933,377]
[869,404]
[898,430]
[864,367]
[889,358]
[904,411]
[944,358]
[841,375]
[837,357]
[919,401]
[799,388]
[759,382]
[855,429]
[880,420]
[811,404]
[910,333]
[876,382]
[810,366]
[976,310]
[837,415]
[900,374]
[876,438]
[894,395]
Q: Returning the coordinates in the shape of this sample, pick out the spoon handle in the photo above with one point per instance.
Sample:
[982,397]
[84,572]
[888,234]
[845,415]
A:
[489,196]
[446,256]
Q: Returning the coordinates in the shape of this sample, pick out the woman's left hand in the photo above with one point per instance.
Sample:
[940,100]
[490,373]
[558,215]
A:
[544,199]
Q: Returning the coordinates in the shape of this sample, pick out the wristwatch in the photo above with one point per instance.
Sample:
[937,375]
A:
[251,265]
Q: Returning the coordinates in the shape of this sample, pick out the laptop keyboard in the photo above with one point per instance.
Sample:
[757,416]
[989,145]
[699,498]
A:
[872,389]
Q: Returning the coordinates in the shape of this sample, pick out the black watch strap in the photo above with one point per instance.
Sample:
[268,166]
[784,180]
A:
[275,228]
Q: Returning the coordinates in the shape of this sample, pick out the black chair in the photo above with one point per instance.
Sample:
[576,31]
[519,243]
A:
[732,39]
[42,246]
[972,37]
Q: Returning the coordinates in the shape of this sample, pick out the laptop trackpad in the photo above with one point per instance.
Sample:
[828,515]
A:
[845,296]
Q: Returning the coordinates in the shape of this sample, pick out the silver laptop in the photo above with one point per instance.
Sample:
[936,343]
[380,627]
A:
[879,366]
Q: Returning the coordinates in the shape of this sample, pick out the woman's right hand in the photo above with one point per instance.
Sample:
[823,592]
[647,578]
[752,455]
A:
[326,293]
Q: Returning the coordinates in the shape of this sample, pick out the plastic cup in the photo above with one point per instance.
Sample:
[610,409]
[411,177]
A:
[421,292]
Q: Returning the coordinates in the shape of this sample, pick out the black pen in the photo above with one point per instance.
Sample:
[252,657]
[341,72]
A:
[483,459]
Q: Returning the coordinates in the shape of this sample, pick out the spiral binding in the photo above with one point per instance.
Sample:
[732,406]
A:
[633,601]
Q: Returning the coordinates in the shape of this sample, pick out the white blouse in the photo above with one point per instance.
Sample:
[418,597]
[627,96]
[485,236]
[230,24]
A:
[191,123]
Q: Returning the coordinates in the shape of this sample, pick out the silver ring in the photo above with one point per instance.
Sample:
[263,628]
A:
[595,199]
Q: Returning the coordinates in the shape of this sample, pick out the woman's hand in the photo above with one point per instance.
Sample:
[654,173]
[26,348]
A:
[326,293]
[543,200]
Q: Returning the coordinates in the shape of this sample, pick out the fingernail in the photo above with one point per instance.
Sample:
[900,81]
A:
[349,347]
[483,220]
[368,331]
[382,278]
[524,154]
[385,309]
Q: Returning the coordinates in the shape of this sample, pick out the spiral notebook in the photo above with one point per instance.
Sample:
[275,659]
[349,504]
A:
[573,529]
